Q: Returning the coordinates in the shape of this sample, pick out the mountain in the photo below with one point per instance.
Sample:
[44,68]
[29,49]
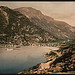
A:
[17,28]
[58,29]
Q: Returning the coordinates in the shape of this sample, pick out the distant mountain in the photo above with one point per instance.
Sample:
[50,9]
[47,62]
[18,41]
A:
[58,29]
[17,28]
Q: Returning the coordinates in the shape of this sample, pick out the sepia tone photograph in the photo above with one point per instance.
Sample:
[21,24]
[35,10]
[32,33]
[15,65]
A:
[37,37]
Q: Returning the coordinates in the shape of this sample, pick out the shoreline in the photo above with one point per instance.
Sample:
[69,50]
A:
[33,52]
[15,47]
[56,63]
[37,65]
[55,44]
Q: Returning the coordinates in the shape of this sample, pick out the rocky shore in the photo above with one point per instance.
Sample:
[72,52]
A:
[60,61]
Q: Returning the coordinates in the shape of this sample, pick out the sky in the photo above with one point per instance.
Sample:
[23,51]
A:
[60,10]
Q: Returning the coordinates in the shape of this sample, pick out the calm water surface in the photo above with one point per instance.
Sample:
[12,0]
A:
[12,62]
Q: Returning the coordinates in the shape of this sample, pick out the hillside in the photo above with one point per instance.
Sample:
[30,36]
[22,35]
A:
[59,29]
[17,29]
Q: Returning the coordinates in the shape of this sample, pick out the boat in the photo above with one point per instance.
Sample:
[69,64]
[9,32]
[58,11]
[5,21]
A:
[18,46]
[9,49]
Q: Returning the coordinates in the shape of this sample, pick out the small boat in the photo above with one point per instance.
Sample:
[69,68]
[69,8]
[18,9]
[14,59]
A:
[9,49]
[18,46]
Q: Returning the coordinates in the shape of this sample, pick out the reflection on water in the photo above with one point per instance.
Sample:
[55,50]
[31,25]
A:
[12,62]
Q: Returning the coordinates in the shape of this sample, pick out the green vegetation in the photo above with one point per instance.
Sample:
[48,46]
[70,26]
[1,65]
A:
[71,43]
[18,26]
[2,23]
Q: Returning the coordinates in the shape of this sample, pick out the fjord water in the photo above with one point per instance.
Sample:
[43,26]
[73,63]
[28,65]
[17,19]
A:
[12,62]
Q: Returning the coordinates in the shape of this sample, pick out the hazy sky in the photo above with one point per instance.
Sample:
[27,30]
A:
[64,11]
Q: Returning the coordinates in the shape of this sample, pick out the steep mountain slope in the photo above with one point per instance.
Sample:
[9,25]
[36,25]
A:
[59,29]
[17,28]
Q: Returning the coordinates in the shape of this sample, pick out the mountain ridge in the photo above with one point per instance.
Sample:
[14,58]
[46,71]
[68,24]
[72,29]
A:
[47,23]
